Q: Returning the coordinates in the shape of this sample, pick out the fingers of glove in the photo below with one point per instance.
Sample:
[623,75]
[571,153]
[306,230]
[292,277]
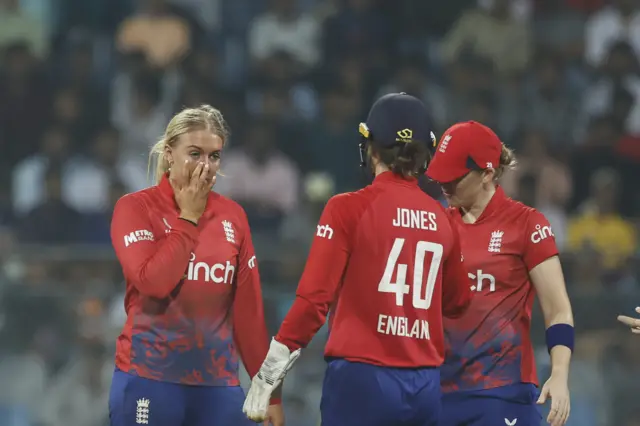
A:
[253,406]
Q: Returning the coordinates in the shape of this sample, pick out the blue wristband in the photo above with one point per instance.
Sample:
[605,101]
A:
[560,335]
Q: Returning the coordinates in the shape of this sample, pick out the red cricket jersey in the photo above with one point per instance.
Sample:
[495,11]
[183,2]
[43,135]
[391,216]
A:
[193,297]
[386,261]
[489,346]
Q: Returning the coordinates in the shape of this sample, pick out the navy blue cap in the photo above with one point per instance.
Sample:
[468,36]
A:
[398,118]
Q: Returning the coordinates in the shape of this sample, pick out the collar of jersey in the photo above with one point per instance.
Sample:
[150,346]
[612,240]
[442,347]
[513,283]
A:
[495,203]
[392,177]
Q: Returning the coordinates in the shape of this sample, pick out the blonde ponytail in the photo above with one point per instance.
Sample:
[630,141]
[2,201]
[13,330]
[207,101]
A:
[507,161]
[205,117]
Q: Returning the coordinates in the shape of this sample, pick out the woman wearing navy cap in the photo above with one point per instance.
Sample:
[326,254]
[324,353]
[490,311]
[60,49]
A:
[385,261]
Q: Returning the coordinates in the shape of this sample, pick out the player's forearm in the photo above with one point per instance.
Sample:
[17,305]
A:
[560,354]
[159,275]
[302,323]
[249,327]
[455,303]
[560,360]
[560,316]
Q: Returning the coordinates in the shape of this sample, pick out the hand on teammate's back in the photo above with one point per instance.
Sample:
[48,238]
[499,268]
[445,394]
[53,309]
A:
[192,191]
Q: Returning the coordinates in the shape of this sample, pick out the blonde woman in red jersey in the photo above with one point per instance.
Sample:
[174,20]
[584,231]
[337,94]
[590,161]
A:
[489,375]
[193,297]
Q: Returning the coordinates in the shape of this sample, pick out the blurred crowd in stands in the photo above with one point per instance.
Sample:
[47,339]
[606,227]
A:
[87,86]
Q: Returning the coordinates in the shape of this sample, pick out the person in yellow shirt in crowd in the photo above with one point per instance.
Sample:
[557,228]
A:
[600,227]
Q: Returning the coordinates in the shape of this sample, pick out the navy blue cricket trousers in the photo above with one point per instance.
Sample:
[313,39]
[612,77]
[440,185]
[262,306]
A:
[512,405]
[357,394]
[135,401]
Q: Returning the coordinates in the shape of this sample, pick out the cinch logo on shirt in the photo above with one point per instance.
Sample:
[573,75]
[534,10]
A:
[218,273]
[252,262]
[139,235]
[541,233]
[325,231]
[480,278]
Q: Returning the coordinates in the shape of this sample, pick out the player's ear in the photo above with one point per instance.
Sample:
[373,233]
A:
[488,175]
[168,154]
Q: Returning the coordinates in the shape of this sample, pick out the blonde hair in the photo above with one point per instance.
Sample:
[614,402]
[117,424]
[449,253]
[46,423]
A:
[507,161]
[204,117]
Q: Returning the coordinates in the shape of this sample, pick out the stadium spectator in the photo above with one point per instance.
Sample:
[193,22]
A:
[76,395]
[29,371]
[357,28]
[491,33]
[599,226]
[331,132]
[559,27]
[262,179]
[284,28]
[618,78]
[23,95]
[618,21]
[51,221]
[278,71]
[28,180]
[411,77]
[162,37]
[16,25]
[90,176]
[142,117]
[550,103]
[552,182]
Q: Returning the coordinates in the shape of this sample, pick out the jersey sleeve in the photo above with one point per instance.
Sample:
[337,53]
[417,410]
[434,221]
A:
[539,241]
[456,290]
[249,327]
[321,277]
[155,268]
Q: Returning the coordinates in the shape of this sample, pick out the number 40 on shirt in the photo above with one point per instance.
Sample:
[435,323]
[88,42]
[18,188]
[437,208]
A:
[420,299]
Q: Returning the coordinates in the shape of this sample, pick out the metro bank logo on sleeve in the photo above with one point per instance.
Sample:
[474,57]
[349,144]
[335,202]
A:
[137,236]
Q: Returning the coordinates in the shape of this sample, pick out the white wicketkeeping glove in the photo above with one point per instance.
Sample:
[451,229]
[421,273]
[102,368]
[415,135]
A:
[279,360]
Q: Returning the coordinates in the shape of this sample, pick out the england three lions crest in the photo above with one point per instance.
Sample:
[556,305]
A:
[229,232]
[495,242]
